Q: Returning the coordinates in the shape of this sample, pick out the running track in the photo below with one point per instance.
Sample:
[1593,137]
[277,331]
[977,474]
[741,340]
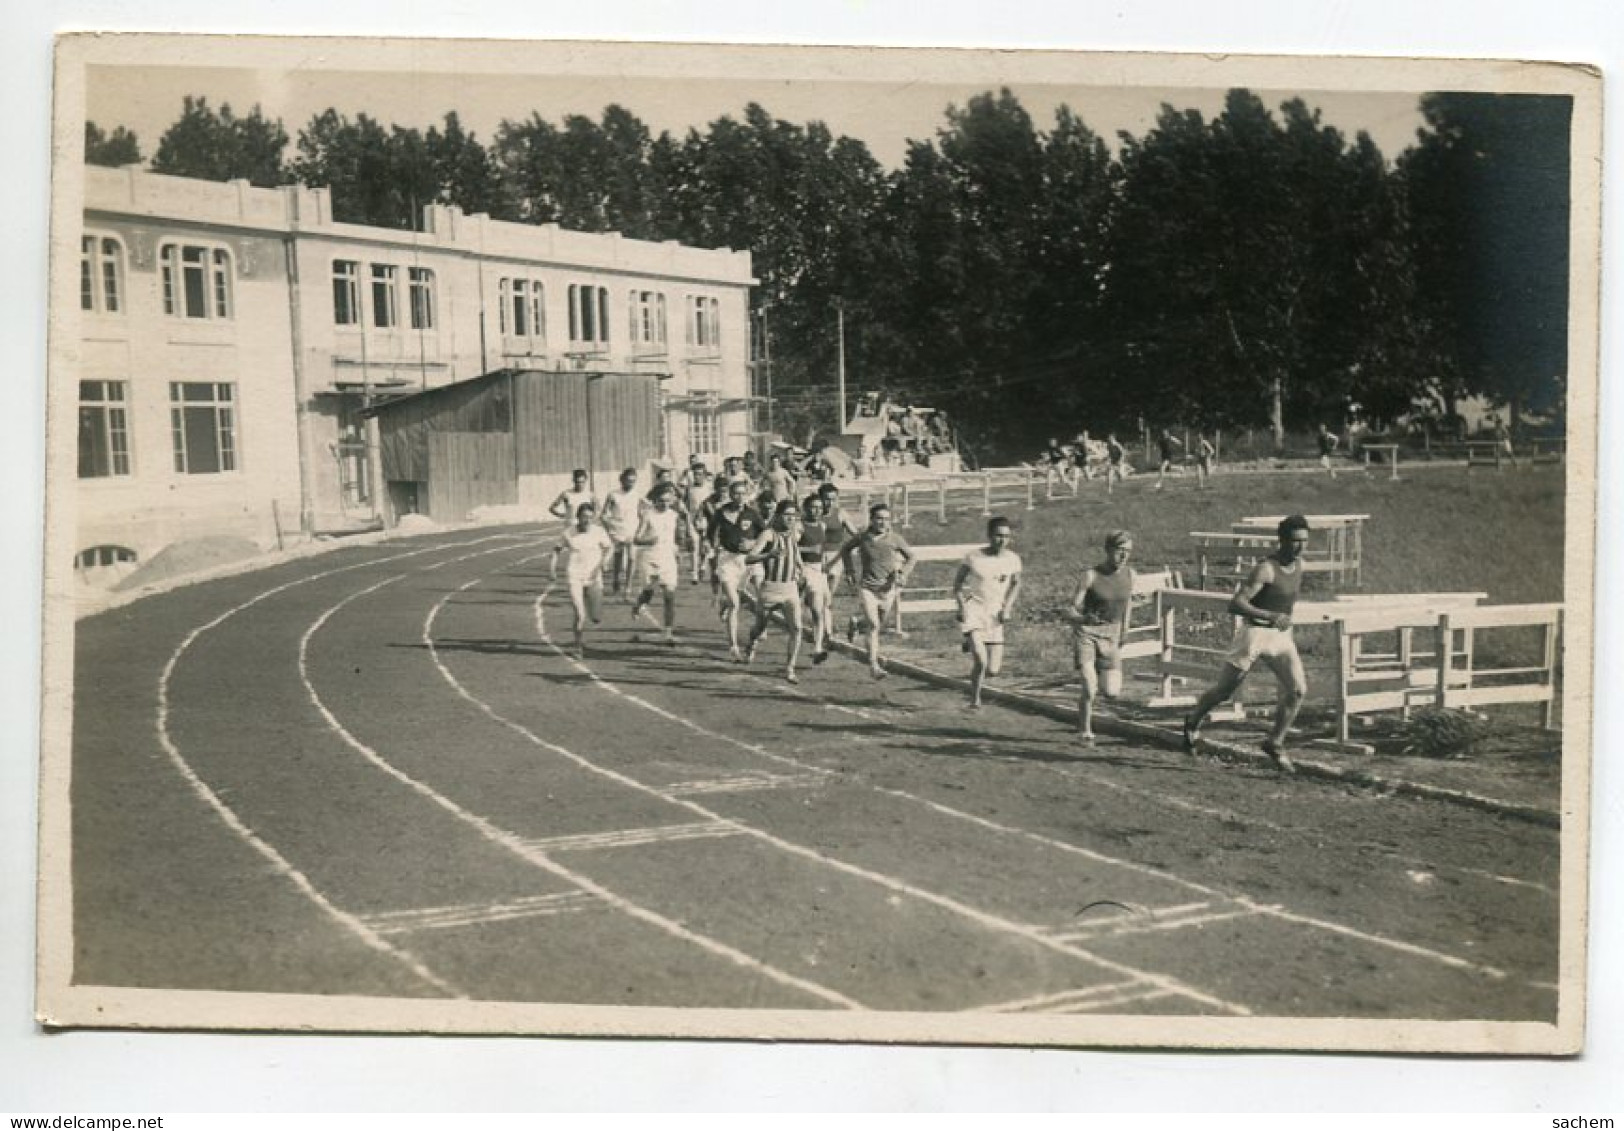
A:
[375,772]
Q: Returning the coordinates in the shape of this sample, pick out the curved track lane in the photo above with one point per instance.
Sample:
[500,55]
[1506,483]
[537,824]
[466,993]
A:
[378,773]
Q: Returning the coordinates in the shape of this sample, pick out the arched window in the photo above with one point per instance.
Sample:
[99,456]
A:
[197,280]
[101,273]
[100,557]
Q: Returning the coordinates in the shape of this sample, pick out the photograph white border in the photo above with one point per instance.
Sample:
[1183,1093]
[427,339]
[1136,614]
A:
[1584,349]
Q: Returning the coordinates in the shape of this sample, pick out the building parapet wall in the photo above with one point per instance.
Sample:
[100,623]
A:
[296,209]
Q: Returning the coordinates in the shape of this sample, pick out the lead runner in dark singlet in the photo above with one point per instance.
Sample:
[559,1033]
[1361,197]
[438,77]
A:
[1264,602]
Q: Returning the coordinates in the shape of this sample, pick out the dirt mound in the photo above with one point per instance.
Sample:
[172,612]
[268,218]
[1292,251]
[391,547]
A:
[180,558]
[416,524]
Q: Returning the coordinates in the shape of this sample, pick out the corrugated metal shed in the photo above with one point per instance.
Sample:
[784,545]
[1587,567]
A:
[467,444]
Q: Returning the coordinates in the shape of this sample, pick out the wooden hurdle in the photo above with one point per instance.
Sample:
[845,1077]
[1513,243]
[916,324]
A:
[1547,451]
[1239,552]
[1145,638]
[931,598]
[1342,552]
[1484,454]
[1392,457]
[1023,479]
[1471,685]
[1177,659]
[1435,661]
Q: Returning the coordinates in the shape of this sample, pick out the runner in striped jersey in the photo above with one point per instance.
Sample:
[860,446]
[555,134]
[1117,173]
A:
[814,581]
[779,554]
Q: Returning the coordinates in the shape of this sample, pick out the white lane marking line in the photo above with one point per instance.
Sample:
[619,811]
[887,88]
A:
[1509,880]
[1267,909]
[476,914]
[601,683]
[1170,801]
[1412,949]
[1134,914]
[511,841]
[987,920]
[745,783]
[1118,929]
[280,865]
[1100,1006]
[633,838]
[1042,1001]
[1408,948]
[1254,823]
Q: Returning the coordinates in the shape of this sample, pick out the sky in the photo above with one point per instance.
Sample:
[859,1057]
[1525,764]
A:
[884,113]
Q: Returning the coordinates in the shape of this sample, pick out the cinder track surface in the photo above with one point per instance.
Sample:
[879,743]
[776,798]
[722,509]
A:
[376,772]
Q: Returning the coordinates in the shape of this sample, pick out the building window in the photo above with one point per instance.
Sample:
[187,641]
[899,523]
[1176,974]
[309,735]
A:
[589,315]
[196,281]
[100,557]
[704,427]
[648,322]
[104,430]
[203,424]
[346,292]
[520,312]
[420,283]
[385,291]
[101,274]
[704,324]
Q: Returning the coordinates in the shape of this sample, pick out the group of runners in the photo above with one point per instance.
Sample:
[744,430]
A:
[755,540]
[751,536]
[1086,458]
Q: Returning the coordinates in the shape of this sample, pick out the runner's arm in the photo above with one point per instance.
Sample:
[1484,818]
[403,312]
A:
[645,532]
[759,551]
[909,560]
[959,579]
[846,552]
[1241,604]
[561,506]
[1075,612]
[1127,609]
[1010,598]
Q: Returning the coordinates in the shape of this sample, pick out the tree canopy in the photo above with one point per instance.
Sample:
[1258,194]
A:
[217,145]
[118,148]
[1255,268]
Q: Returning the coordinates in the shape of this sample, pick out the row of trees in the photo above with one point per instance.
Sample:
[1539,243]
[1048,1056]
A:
[1254,268]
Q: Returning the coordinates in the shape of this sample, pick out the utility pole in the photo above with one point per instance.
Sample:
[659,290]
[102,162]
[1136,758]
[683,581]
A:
[840,328]
[767,365]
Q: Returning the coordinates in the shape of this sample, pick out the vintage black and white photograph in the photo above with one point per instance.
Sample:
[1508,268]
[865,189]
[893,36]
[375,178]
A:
[1027,548]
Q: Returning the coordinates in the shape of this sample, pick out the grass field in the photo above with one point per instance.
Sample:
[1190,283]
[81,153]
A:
[1438,529]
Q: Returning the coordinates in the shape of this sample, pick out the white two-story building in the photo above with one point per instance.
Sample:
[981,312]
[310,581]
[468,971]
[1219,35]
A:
[231,336]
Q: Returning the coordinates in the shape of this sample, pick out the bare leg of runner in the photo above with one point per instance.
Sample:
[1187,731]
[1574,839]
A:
[1229,682]
[978,667]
